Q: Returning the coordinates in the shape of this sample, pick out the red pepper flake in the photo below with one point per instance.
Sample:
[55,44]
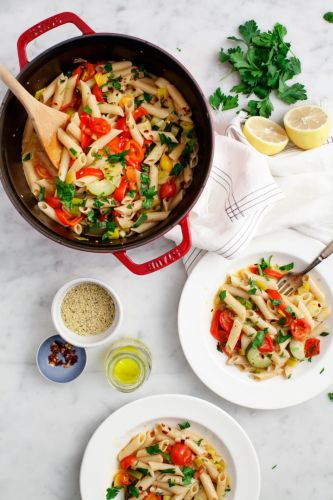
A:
[62,354]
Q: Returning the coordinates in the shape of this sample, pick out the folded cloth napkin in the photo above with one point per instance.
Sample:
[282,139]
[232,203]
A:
[249,194]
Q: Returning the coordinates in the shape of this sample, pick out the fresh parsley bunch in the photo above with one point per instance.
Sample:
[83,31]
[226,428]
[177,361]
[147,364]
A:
[264,62]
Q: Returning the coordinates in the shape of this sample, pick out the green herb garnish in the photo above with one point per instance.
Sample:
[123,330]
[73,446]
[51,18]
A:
[276,302]
[287,267]
[246,303]
[118,157]
[147,97]
[41,195]
[264,64]
[321,371]
[218,100]
[259,338]
[167,457]
[324,334]
[140,220]
[133,491]
[65,192]
[114,83]
[188,474]
[26,157]
[112,492]
[168,471]
[153,450]
[282,337]
[171,482]
[274,467]
[330,396]
[108,67]
[145,472]
[184,425]
[328,17]
[223,295]
[73,151]
[92,216]
[87,110]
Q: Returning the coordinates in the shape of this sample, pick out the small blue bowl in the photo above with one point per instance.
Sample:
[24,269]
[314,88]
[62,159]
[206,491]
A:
[59,374]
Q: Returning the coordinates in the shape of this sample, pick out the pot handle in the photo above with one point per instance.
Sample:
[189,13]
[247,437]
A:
[47,25]
[164,260]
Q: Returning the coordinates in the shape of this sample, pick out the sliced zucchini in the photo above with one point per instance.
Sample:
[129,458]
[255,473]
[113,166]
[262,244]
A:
[257,359]
[297,349]
[99,188]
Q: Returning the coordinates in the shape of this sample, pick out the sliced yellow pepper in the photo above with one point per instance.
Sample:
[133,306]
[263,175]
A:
[166,163]
[162,93]
[220,466]
[124,100]
[114,235]
[186,126]
[261,285]
[162,176]
[101,79]
[39,94]
[70,178]
[292,362]
[198,462]
[281,313]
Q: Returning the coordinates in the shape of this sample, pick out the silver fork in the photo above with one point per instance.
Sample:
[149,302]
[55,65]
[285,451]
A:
[291,281]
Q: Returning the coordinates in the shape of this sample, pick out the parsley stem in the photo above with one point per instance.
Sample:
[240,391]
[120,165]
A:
[228,74]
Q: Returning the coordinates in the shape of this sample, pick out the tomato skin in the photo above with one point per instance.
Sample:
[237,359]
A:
[273,273]
[121,125]
[152,496]
[300,329]
[65,219]
[215,329]
[139,112]
[53,201]
[77,72]
[99,126]
[181,454]
[90,69]
[136,153]
[226,320]
[168,190]
[118,144]
[85,171]
[128,461]
[268,345]
[312,347]
[42,171]
[274,294]
[98,93]
[86,140]
[130,174]
[119,193]
[123,478]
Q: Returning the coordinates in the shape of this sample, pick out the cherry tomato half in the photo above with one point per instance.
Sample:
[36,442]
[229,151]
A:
[99,125]
[181,454]
[91,171]
[267,345]
[42,171]
[168,190]
[300,329]
[226,320]
[128,461]
[312,347]
[119,193]
[53,201]
[136,153]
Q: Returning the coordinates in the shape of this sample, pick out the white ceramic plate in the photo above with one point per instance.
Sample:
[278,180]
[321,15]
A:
[100,458]
[194,318]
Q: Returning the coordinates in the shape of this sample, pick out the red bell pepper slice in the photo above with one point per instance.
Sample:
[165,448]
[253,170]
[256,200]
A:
[121,125]
[119,193]
[53,201]
[85,171]
[65,218]
[268,345]
[139,112]
[312,347]
[98,93]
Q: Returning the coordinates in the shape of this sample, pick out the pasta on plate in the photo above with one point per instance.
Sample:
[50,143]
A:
[128,153]
[262,331]
[167,463]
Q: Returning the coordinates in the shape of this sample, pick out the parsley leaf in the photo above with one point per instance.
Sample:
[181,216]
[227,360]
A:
[282,338]
[73,151]
[167,457]
[184,425]
[114,83]
[328,17]
[138,222]
[223,295]
[145,472]
[153,450]
[118,157]
[324,334]
[108,67]
[171,482]
[133,491]
[249,30]
[330,396]
[65,192]
[188,474]
[292,94]
[147,97]
[259,338]
[219,100]
[287,267]
[92,216]
[168,471]
[87,110]
[112,492]
[26,157]
[41,195]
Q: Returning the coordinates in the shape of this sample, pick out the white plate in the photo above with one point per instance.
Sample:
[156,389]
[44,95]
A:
[194,317]
[100,458]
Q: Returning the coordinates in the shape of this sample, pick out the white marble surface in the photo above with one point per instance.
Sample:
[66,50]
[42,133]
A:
[44,428]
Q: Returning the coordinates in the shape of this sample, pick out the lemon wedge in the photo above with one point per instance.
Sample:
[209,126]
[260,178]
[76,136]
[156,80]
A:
[265,135]
[307,126]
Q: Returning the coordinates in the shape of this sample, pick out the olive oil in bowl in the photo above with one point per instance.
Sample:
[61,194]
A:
[127,364]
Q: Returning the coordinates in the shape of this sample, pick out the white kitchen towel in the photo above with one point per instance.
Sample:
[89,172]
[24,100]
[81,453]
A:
[251,194]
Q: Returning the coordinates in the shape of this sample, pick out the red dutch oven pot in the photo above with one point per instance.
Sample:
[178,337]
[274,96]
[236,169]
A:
[44,68]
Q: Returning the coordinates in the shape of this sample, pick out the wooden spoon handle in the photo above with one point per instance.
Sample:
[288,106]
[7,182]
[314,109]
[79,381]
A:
[28,101]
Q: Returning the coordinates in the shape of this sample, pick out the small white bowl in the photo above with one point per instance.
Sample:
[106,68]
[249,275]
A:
[85,340]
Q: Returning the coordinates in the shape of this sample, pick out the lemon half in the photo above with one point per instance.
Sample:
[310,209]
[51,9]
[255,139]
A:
[307,126]
[265,135]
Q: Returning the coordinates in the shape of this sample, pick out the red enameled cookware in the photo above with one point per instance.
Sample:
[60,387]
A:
[44,68]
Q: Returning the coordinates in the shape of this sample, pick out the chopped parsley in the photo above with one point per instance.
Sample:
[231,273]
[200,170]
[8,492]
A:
[73,151]
[92,216]
[153,450]
[184,425]
[98,156]
[276,302]
[287,267]
[274,466]
[188,474]
[41,195]
[282,321]
[87,110]
[145,472]
[199,442]
[147,97]
[118,157]
[112,492]
[168,471]
[65,192]
[223,295]
[259,338]
[324,334]
[330,396]
[167,457]
[282,338]
[321,371]
[133,491]
[138,222]
[171,482]
[114,83]
[108,67]
[131,193]
[246,303]
[26,157]
[167,141]
[252,291]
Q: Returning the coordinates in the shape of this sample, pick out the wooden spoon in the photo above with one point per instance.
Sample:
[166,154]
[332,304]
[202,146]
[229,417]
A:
[46,120]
